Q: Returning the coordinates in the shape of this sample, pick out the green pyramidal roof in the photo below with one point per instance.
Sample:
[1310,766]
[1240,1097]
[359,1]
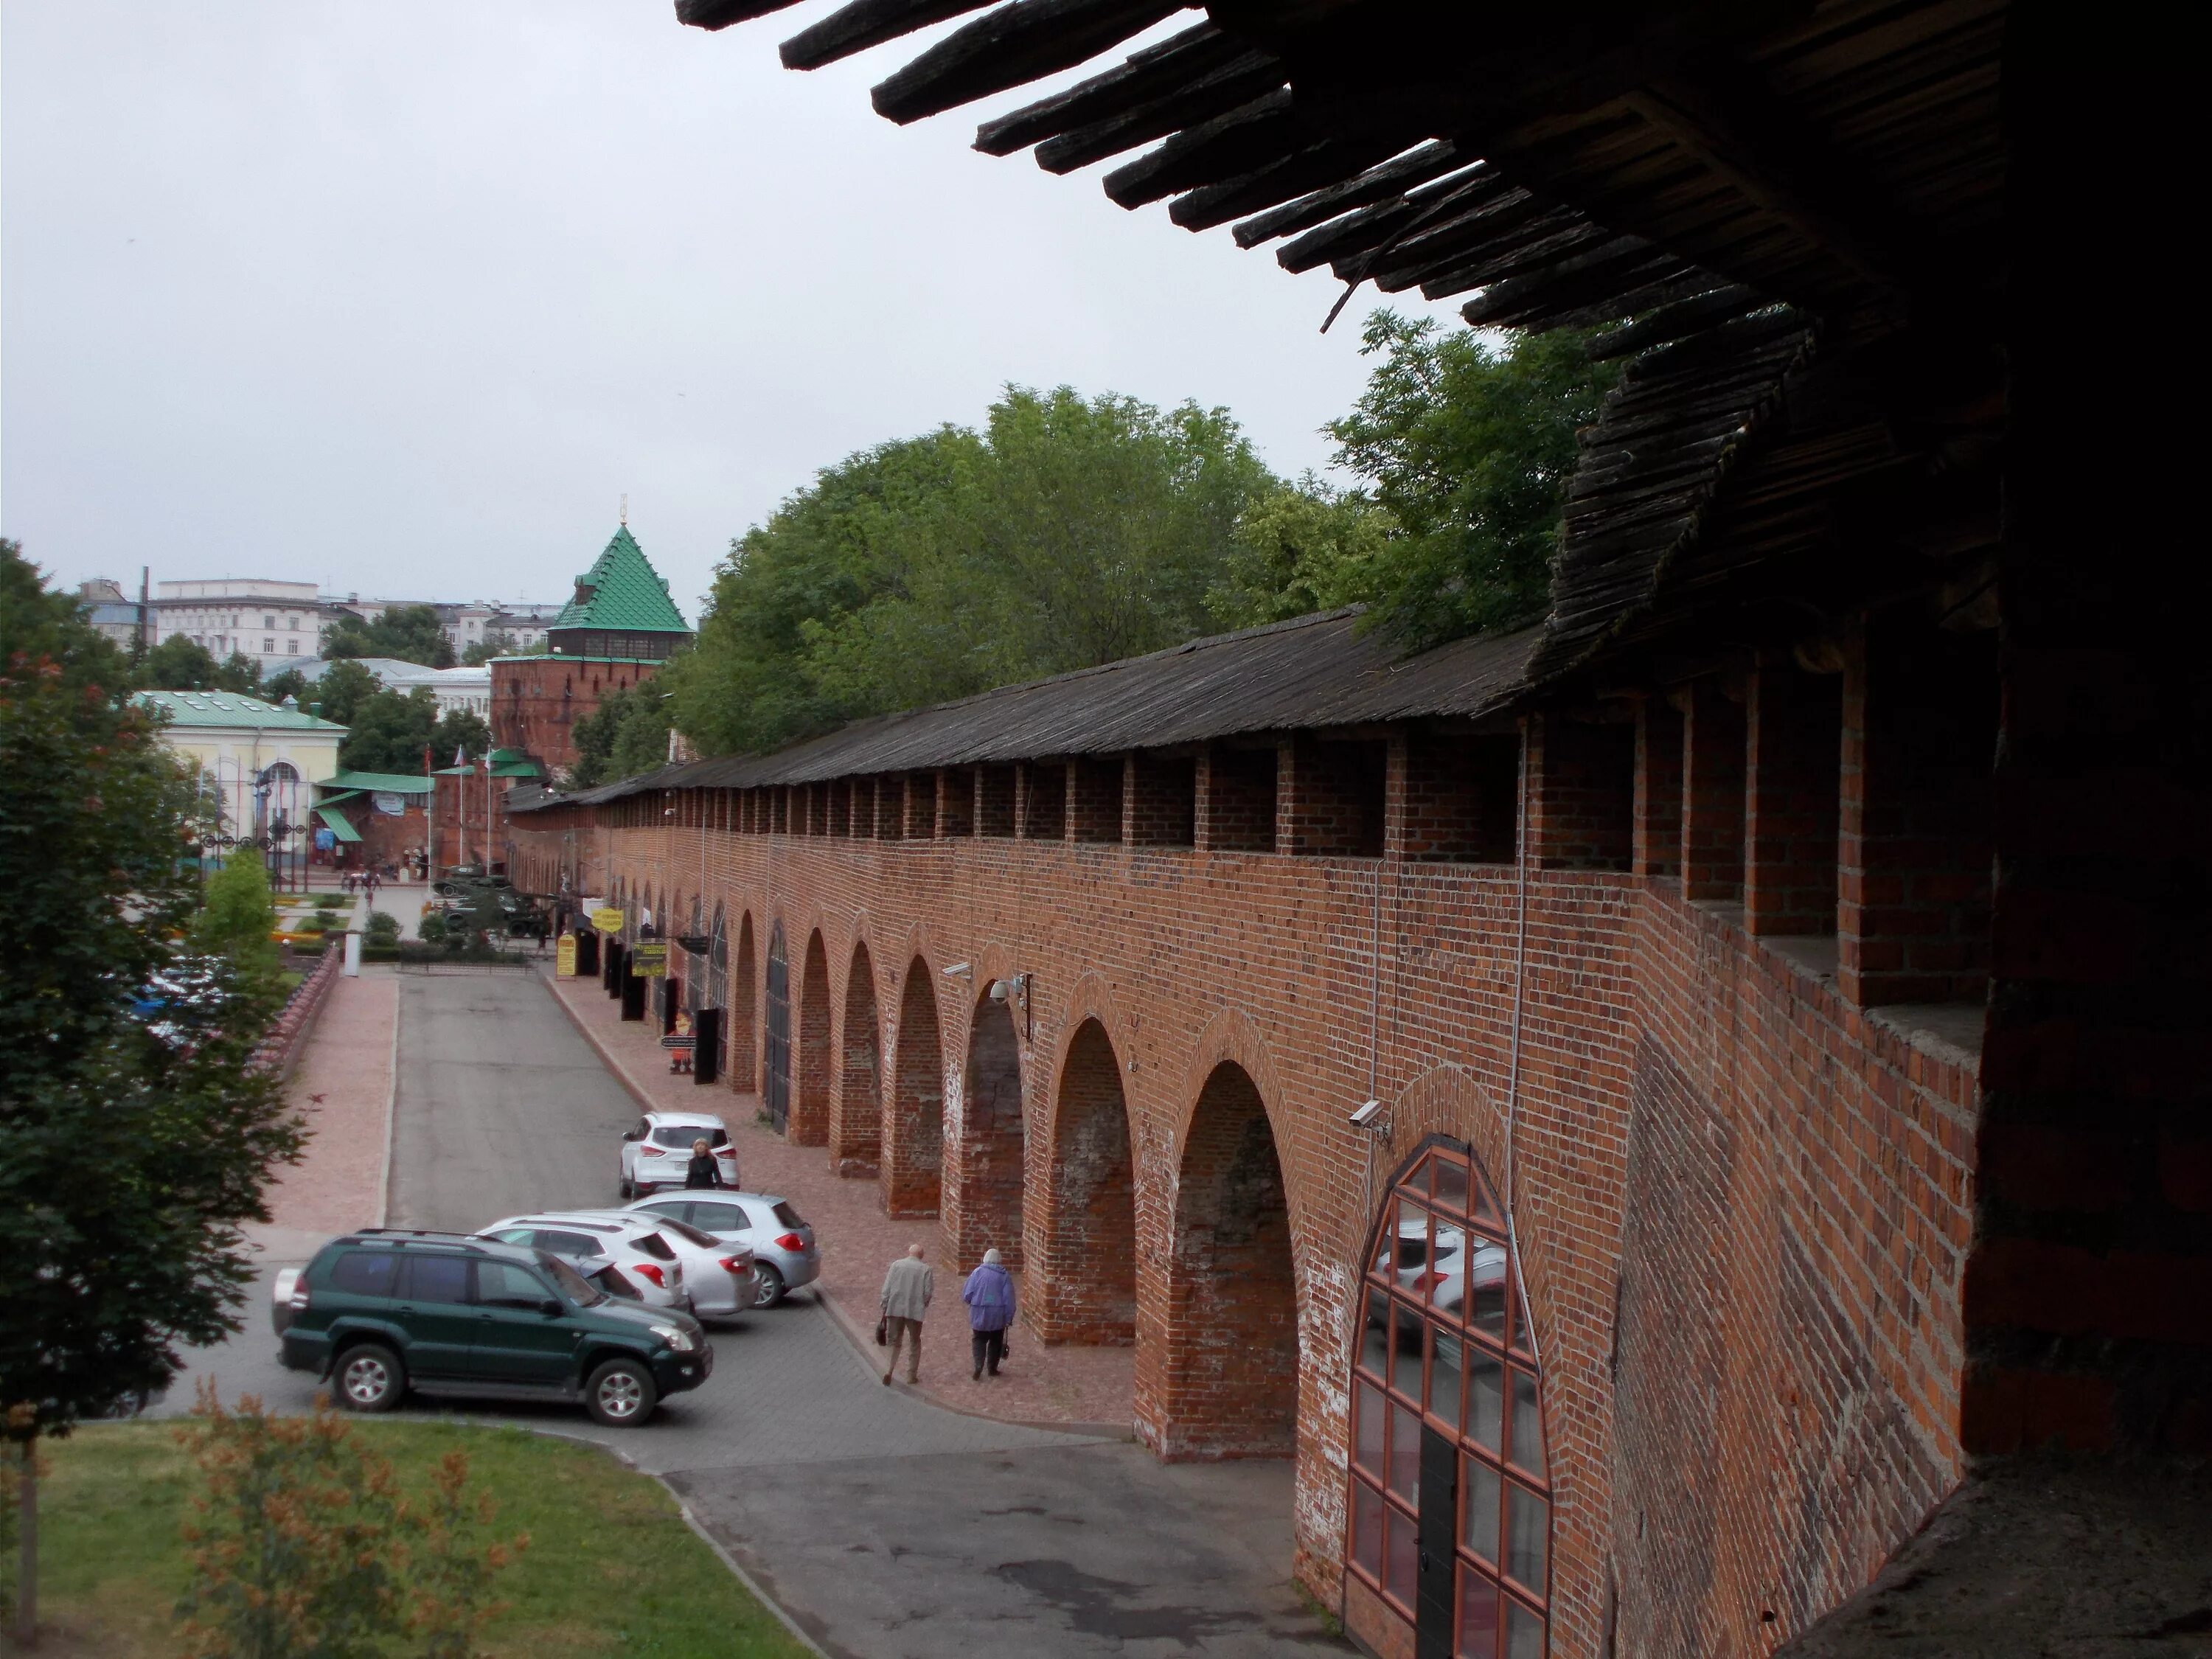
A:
[622,593]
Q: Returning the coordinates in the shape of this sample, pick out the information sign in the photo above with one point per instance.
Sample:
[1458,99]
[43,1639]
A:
[564,957]
[607,919]
[648,959]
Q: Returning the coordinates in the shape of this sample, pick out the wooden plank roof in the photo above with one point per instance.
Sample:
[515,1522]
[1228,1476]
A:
[1315,673]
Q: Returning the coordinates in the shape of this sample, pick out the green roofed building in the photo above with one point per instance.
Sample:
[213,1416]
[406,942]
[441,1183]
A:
[620,610]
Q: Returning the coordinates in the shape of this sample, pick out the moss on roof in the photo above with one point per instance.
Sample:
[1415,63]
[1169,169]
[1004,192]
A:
[621,593]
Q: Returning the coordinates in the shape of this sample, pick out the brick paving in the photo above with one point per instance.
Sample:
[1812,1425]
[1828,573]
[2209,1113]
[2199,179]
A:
[1039,1385]
[342,1090]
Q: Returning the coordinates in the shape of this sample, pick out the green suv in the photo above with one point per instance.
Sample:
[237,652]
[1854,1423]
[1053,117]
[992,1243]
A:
[384,1311]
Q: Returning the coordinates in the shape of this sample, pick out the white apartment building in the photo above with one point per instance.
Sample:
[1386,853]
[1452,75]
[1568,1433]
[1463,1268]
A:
[276,623]
[457,689]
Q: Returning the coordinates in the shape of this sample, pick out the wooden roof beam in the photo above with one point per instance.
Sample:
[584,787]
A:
[720,14]
[1154,72]
[1376,184]
[1017,43]
[866,23]
[1679,319]
[1262,131]
[1236,83]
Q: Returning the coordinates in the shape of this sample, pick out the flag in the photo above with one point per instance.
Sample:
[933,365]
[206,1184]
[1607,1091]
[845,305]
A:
[460,758]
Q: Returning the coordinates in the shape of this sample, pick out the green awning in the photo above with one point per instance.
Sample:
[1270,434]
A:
[335,820]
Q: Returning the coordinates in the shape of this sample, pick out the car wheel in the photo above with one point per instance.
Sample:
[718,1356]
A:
[370,1378]
[621,1394]
[767,1286]
[623,1185]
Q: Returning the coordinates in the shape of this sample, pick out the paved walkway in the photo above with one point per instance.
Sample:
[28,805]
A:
[342,1090]
[1090,1386]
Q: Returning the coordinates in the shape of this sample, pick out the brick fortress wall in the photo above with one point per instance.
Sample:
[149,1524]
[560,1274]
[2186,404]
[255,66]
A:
[1745,1203]
[536,701]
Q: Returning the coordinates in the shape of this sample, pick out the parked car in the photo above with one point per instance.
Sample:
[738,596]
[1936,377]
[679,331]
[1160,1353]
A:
[657,1151]
[785,1255]
[646,1260]
[381,1312]
[1441,1272]
[718,1277]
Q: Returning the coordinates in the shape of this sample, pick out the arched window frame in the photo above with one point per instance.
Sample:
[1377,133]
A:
[1425,1348]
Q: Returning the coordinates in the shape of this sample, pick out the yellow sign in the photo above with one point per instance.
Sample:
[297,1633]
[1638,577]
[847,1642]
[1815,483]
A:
[607,919]
[648,959]
[564,957]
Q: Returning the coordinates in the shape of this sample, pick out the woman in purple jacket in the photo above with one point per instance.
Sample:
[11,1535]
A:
[989,1294]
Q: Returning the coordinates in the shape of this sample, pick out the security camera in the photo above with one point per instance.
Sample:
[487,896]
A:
[958,970]
[1365,1117]
[1001,990]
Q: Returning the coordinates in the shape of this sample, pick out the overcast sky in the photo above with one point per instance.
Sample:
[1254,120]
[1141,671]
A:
[403,298]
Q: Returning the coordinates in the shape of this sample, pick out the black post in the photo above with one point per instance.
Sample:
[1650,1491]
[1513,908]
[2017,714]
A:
[587,951]
[706,1041]
[669,1000]
[633,992]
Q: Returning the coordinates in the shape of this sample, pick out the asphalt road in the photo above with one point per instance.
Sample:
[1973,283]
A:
[888,1528]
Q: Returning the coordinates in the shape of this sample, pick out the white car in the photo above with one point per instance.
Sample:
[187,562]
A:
[645,1261]
[717,1276]
[785,1255]
[1443,1275]
[656,1153]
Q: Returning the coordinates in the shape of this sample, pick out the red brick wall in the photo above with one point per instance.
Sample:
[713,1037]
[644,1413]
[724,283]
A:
[536,701]
[1823,1165]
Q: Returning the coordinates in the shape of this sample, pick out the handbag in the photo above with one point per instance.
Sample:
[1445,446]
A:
[883,1331]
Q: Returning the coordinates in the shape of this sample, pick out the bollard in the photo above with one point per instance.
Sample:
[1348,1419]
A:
[352,969]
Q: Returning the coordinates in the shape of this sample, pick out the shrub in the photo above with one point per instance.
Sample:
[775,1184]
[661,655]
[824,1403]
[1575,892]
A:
[236,919]
[383,929]
[432,928]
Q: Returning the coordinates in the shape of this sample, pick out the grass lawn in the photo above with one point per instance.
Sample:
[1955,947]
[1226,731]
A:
[611,1568]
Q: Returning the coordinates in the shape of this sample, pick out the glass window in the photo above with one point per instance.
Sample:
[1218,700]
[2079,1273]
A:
[505,1284]
[1527,1424]
[565,1243]
[1487,1304]
[1478,1499]
[1412,1240]
[654,1245]
[1524,1632]
[1375,1342]
[365,1272]
[1367,1437]
[784,1214]
[1450,1186]
[1478,1616]
[1405,1453]
[1444,1376]
[1367,1529]
[1401,1557]
[717,1218]
[1528,1525]
[1405,1361]
[1446,1277]
[438,1279]
[1485,1401]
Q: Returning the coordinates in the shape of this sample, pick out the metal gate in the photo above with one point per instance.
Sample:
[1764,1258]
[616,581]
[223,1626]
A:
[775,1092]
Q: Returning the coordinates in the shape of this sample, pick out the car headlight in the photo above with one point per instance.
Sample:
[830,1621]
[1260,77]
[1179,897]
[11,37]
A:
[676,1338]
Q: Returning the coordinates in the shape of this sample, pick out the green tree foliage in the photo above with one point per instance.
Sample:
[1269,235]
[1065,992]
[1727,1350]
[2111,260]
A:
[108,1278]
[1302,549]
[239,673]
[625,735]
[459,731]
[178,664]
[1068,532]
[389,732]
[483,651]
[343,688]
[287,682]
[237,919]
[411,633]
[1468,446]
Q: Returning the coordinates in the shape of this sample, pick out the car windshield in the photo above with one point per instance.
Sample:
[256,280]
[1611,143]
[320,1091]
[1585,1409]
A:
[687,1232]
[682,1135]
[572,1284]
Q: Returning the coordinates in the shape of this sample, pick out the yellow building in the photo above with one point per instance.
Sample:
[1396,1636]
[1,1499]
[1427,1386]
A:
[258,763]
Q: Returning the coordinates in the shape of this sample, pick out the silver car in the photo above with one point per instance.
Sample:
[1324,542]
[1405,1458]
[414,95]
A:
[718,1275]
[645,1259]
[656,1152]
[785,1255]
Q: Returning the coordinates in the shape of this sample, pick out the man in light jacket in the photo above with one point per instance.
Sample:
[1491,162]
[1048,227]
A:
[989,1294]
[907,1289]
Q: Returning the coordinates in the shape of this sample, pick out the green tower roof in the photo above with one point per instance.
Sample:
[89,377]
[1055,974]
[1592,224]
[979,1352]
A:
[623,593]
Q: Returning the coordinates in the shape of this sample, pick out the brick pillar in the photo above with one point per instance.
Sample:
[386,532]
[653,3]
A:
[1658,850]
[1792,788]
[1712,794]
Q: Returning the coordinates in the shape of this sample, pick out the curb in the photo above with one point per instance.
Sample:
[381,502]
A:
[838,1318]
[391,1114]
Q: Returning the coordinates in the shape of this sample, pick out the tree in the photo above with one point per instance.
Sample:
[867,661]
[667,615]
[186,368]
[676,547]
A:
[627,734]
[411,633]
[110,1279]
[343,688]
[461,730]
[1305,547]
[238,673]
[178,664]
[1068,532]
[483,651]
[1470,446]
[286,682]
[389,733]
[235,921]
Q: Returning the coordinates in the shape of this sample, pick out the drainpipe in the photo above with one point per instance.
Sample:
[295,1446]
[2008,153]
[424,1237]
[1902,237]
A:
[1513,1069]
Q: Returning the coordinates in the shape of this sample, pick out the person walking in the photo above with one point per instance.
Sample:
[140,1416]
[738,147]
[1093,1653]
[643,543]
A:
[989,1294]
[702,1171]
[906,1288]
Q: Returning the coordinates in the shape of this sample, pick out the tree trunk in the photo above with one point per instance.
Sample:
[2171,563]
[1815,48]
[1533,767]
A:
[26,1572]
